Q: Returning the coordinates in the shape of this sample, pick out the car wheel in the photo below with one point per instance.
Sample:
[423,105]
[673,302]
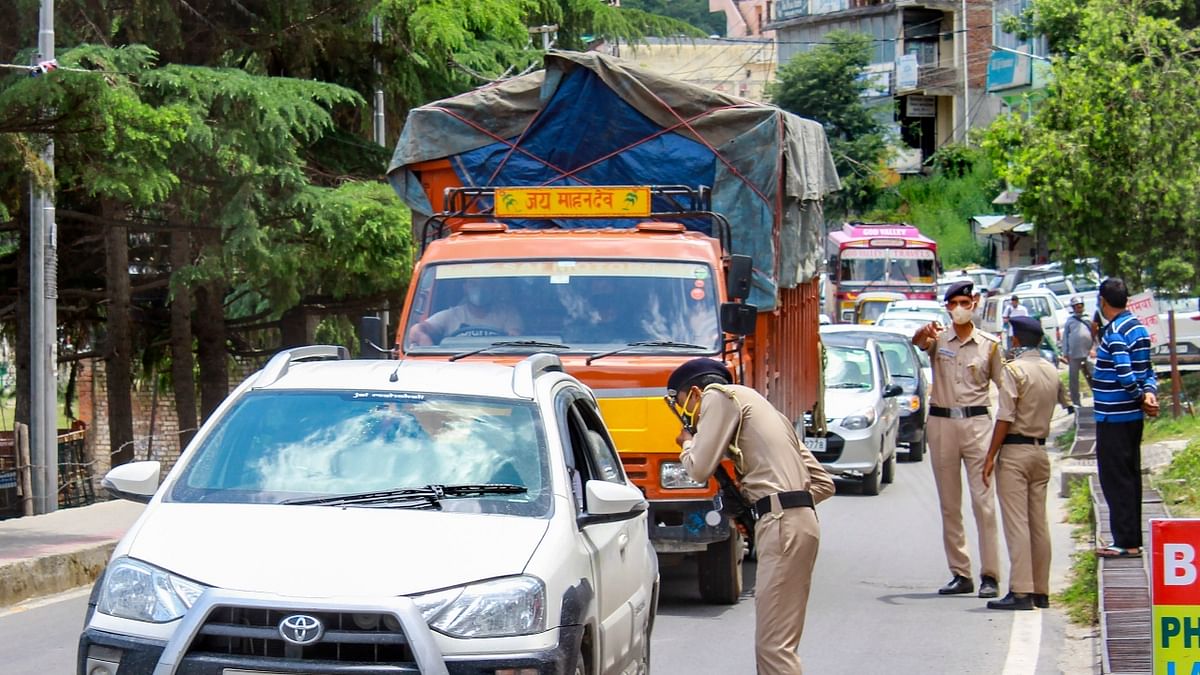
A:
[721,570]
[872,483]
[916,451]
[889,469]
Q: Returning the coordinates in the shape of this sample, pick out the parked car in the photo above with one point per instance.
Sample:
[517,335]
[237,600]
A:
[870,305]
[863,413]
[909,320]
[340,516]
[1041,304]
[1187,340]
[982,277]
[1064,289]
[905,367]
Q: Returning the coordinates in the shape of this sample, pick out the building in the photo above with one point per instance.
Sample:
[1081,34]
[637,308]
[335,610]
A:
[1018,70]
[745,18]
[928,65]
[740,67]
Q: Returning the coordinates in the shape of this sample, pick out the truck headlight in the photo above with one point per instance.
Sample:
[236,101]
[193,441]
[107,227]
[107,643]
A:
[142,592]
[672,476]
[499,608]
[862,420]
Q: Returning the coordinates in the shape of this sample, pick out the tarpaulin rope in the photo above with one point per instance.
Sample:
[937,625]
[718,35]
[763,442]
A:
[499,139]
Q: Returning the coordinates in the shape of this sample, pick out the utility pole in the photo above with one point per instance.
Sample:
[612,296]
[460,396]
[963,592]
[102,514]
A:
[966,76]
[379,121]
[43,276]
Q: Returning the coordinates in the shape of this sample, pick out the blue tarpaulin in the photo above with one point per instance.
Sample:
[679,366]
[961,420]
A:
[589,119]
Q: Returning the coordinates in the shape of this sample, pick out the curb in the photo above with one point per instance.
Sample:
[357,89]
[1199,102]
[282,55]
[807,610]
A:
[47,575]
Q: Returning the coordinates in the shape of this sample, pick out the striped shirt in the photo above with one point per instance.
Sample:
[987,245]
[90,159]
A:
[1123,370]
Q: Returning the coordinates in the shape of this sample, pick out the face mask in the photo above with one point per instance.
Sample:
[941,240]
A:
[961,314]
[690,411]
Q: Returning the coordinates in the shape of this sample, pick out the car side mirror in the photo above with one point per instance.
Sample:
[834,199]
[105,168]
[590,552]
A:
[738,318]
[135,481]
[892,390]
[371,338]
[739,278]
[611,502]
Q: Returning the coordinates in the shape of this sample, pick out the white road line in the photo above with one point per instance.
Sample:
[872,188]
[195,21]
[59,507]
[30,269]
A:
[34,603]
[1024,643]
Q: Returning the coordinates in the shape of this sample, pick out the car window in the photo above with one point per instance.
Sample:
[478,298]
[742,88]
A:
[1038,307]
[899,358]
[848,368]
[603,462]
[277,445]
[1059,287]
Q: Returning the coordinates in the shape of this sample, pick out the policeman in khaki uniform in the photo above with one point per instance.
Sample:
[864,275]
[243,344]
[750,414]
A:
[779,476]
[1028,391]
[965,360]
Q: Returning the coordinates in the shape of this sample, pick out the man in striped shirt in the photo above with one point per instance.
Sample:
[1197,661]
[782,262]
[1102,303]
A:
[1125,391]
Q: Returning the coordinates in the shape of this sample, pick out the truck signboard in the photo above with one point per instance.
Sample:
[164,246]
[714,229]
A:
[1175,595]
[573,202]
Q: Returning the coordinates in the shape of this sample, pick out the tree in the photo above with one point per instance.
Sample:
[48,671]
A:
[1110,163]
[694,12]
[825,85]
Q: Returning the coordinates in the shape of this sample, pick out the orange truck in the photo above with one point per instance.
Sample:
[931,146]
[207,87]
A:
[628,223]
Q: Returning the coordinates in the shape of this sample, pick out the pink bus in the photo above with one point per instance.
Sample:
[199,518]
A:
[868,257]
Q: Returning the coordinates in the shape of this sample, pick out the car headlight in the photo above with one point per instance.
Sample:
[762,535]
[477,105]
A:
[500,608]
[135,590]
[672,476]
[860,421]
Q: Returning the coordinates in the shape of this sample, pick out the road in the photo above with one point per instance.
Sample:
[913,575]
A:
[874,607]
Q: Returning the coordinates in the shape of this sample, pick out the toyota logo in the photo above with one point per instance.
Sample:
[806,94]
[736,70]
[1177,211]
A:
[301,629]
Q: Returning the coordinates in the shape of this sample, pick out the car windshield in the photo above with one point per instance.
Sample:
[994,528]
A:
[584,305]
[899,358]
[908,324]
[274,446]
[871,309]
[848,368]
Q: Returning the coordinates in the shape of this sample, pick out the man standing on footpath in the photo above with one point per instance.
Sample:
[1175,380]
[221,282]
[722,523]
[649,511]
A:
[965,362]
[1077,345]
[779,476]
[1028,390]
[1125,391]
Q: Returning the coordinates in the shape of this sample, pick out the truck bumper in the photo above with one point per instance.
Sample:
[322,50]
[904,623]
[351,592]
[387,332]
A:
[680,527]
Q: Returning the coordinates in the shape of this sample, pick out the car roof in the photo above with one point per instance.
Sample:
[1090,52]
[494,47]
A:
[849,330]
[477,378]
[911,315]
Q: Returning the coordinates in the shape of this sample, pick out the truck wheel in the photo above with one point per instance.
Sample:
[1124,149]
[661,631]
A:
[872,482]
[721,570]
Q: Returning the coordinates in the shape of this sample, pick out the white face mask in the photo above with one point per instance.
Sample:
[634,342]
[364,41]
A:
[961,315]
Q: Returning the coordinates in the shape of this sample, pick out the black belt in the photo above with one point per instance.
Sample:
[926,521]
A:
[1018,439]
[787,500]
[959,413]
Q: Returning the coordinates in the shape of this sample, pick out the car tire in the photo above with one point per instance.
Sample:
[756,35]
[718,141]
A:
[872,482]
[916,451]
[889,470]
[721,570]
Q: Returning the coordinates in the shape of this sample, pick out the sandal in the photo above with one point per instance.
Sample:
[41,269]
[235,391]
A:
[1118,552]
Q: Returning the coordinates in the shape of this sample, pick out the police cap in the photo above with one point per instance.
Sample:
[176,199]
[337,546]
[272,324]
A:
[965,288]
[1027,325]
[694,368]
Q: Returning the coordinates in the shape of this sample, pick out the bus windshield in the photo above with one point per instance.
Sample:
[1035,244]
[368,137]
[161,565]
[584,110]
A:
[888,266]
[582,305]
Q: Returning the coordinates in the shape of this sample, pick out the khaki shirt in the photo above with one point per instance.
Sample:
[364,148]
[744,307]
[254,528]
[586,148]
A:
[737,421]
[962,369]
[1028,390]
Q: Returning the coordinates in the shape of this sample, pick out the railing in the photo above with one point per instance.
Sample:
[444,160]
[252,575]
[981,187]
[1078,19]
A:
[74,473]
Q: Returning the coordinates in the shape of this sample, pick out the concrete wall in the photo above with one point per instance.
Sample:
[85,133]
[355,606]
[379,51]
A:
[737,68]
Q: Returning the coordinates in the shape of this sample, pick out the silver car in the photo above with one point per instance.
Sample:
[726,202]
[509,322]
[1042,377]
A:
[862,411]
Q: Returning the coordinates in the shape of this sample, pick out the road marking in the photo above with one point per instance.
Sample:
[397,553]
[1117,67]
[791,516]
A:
[34,603]
[1024,643]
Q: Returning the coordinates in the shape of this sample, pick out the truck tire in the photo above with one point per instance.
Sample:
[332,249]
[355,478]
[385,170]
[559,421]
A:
[721,570]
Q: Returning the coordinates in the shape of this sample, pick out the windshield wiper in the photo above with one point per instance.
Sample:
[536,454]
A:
[644,343]
[848,385]
[510,343]
[429,495]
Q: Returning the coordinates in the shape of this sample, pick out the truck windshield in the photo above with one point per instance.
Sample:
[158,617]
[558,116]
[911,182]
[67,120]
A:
[587,305]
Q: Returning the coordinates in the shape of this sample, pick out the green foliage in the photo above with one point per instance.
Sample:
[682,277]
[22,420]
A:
[1180,482]
[693,12]
[824,85]
[941,206]
[1166,428]
[1114,151]
[1079,504]
[1081,598]
[1065,440]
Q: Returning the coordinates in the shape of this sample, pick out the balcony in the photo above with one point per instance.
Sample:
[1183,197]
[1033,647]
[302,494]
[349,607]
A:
[934,80]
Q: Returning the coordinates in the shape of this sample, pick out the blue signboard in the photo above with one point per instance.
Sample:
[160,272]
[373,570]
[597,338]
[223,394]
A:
[1007,70]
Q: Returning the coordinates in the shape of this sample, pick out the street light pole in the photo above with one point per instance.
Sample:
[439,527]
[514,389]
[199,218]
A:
[43,287]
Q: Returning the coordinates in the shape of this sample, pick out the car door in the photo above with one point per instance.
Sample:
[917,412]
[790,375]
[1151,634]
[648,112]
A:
[619,549]
[890,414]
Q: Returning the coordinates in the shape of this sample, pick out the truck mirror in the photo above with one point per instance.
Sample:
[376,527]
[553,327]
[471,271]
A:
[738,318]
[737,283]
[371,338]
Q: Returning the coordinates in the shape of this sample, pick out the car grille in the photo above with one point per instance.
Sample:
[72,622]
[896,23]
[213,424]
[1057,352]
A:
[349,637]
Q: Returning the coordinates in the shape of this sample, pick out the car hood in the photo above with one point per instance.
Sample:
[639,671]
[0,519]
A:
[840,403]
[327,551]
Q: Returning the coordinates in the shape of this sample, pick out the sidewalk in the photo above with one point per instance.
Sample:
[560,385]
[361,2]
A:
[51,553]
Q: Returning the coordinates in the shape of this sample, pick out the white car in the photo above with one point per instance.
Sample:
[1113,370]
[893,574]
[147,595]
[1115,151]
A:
[862,411]
[338,516]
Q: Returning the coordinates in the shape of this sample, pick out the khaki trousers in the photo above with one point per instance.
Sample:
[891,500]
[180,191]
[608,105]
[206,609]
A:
[786,542]
[954,444]
[1022,474]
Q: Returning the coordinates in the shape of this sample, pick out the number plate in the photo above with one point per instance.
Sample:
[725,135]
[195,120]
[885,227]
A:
[815,444]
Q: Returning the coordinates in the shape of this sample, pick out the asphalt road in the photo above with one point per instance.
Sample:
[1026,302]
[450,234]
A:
[874,607]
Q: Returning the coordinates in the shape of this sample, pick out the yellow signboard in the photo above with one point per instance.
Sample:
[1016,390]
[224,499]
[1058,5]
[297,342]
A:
[1176,640]
[573,202]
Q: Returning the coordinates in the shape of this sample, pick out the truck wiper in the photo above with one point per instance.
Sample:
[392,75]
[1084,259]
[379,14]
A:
[510,343]
[429,495]
[645,343]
